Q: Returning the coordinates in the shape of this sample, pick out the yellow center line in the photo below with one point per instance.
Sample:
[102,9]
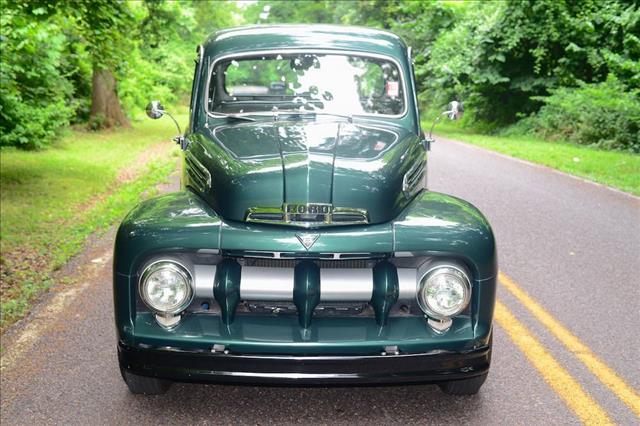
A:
[598,368]
[567,388]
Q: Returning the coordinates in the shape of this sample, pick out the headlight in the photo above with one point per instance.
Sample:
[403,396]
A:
[443,292]
[166,287]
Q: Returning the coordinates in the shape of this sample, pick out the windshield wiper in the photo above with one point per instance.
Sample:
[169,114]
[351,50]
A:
[232,116]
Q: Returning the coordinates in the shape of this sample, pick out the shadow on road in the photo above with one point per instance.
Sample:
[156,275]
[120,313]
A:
[256,405]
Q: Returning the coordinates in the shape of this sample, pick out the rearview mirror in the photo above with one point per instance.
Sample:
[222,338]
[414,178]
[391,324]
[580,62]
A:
[454,110]
[154,110]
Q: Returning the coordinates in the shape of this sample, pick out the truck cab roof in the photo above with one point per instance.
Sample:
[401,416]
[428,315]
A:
[330,37]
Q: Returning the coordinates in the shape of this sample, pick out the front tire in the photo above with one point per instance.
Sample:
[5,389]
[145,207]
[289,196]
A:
[142,385]
[464,387]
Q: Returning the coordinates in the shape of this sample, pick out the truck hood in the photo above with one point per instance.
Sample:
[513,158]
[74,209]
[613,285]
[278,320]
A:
[266,165]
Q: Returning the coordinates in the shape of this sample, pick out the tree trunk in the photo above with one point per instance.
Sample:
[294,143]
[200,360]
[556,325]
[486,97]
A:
[105,106]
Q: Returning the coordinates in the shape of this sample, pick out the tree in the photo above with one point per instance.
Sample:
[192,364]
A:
[104,25]
[504,58]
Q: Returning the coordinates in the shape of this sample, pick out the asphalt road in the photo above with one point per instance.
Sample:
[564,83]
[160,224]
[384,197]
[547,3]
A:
[573,246]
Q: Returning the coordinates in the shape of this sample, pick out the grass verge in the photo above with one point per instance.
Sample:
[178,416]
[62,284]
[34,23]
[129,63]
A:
[52,200]
[619,170]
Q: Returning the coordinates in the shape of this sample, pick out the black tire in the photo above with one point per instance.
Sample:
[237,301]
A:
[142,385]
[463,387]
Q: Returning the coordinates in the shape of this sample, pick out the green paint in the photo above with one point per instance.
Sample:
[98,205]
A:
[385,290]
[226,289]
[306,291]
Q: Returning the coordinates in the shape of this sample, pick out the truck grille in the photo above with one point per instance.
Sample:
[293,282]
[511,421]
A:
[307,215]
[291,263]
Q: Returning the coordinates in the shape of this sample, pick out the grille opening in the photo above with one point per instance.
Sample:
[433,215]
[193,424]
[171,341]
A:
[349,217]
[322,310]
[307,217]
[266,216]
[291,263]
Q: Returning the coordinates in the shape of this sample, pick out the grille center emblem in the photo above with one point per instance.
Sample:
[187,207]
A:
[307,240]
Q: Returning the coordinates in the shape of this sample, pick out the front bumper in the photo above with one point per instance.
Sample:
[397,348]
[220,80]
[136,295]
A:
[200,366]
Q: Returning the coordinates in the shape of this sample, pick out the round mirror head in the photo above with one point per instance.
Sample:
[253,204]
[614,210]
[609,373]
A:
[154,110]
[454,110]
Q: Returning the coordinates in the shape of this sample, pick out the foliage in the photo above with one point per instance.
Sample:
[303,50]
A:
[50,49]
[34,92]
[511,54]
[599,114]
[292,12]
[501,58]
[104,25]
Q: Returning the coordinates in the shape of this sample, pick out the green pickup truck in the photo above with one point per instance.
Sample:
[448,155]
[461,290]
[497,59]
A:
[304,247]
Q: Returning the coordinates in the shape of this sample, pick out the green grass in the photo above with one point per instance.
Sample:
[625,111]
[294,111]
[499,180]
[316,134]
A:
[51,200]
[619,170]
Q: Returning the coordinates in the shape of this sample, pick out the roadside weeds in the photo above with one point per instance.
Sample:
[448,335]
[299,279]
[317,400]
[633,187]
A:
[614,169]
[25,274]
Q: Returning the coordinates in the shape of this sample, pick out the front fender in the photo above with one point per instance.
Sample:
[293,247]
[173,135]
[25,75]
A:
[441,225]
[177,221]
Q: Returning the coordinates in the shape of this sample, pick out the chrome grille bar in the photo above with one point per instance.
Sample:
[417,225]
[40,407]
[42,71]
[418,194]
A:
[307,215]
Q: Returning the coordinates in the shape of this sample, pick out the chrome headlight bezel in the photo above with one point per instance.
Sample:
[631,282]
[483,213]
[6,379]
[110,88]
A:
[433,272]
[175,267]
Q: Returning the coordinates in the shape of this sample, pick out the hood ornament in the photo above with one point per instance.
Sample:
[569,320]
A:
[307,240]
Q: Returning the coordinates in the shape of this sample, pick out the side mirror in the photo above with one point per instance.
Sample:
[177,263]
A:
[454,110]
[154,110]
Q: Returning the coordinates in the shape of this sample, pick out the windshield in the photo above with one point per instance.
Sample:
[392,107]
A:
[321,83]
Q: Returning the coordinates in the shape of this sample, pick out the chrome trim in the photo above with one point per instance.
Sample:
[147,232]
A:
[403,253]
[287,217]
[412,178]
[292,255]
[424,306]
[201,172]
[292,209]
[403,80]
[177,267]
[271,284]
[168,322]
[205,276]
[440,326]
[346,285]
[208,251]
[407,279]
[288,375]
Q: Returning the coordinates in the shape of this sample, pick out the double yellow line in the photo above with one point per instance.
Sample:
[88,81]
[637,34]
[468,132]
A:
[576,398]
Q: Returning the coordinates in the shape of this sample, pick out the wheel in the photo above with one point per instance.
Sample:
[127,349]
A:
[144,385]
[463,387]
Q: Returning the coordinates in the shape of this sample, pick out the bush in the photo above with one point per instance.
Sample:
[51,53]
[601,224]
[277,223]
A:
[34,94]
[602,115]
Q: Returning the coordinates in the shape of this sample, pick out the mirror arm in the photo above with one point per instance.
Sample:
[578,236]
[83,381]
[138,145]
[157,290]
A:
[436,122]
[180,139]
[174,120]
